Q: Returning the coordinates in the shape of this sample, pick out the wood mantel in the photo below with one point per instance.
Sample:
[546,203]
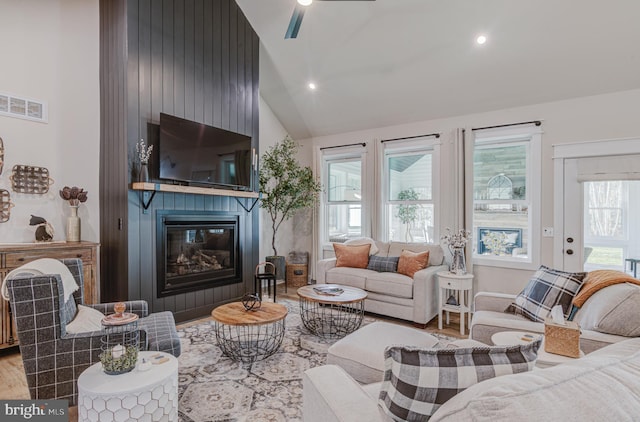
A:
[160,187]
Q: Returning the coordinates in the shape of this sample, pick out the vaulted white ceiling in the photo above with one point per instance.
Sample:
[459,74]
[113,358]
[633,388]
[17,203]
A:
[389,62]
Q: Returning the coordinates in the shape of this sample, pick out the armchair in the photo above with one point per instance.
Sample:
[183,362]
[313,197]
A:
[54,359]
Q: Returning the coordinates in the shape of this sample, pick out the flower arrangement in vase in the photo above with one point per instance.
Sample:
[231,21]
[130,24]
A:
[143,152]
[457,242]
[75,196]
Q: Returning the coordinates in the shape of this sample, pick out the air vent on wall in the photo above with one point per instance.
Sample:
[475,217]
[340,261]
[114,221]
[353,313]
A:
[23,108]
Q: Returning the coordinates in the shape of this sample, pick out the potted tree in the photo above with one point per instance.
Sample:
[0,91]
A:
[408,213]
[286,188]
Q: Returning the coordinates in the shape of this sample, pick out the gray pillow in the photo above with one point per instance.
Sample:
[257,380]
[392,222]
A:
[612,310]
[383,264]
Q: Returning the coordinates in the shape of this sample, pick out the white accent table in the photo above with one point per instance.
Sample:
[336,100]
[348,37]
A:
[460,286]
[545,359]
[150,395]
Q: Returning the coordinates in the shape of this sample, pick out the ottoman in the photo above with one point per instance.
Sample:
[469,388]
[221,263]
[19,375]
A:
[361,353]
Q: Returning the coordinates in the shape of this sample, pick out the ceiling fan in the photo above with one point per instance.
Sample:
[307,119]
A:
[298,13]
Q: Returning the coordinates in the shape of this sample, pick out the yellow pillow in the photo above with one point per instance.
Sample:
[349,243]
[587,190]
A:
[412,262]
[352,256]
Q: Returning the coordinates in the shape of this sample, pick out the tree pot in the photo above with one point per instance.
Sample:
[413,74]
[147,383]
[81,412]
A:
[281,266]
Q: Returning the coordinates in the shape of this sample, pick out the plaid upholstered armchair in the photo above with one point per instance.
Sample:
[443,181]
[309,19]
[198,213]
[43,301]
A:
[54,359]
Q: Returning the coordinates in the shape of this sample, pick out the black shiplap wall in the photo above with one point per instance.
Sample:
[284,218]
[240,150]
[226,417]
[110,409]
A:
[196,59]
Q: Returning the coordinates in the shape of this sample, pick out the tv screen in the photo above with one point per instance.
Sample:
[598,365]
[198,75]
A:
[201,154]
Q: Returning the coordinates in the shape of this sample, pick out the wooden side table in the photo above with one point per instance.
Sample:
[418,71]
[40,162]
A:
[331,316]
[247,336]
[458,286]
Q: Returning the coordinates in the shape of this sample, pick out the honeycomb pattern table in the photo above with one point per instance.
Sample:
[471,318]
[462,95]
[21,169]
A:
[150,395]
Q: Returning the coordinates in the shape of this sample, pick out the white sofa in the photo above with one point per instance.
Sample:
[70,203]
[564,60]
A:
[392,294]
[489,318]
[603,386]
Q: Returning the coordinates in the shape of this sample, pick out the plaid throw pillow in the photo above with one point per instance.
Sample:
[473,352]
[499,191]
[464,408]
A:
[383,264]
[418,381]
[546,289]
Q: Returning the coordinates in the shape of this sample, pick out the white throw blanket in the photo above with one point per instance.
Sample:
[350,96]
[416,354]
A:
[41,267]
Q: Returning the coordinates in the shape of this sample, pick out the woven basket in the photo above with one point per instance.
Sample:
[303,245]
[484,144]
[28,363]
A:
[562,339]
[297,275]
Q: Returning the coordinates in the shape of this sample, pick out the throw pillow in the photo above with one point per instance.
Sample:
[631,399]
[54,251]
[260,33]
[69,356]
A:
[613,310]
[363,241]
[87,319]
[412,262]
[351,256]
[383,264]
[546,289]
[418,381]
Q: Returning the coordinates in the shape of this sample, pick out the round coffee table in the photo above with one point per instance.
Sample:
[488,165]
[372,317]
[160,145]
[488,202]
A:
[544,360]
[247,336]
[331,316]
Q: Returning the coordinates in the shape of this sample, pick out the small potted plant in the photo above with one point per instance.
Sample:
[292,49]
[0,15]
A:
[286,188]
[456,242]
[75,196]
[143,151]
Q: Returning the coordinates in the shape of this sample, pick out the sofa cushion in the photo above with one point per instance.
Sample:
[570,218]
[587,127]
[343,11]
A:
[383,264]
[546,289]
[412,262]
[418,381]
[352,256]
[436,254]
[602,386]
[363,241]
[612,310]
[354,277]
[361,353]
[390,284]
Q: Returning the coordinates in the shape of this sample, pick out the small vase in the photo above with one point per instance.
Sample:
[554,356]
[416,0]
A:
[73,225]
[143,175]
[458,264]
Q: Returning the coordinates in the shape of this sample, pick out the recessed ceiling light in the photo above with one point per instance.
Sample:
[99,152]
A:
[305,2]
[481,39]
[312,86]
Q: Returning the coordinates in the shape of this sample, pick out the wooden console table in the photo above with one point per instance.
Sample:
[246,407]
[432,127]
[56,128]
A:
[14,255]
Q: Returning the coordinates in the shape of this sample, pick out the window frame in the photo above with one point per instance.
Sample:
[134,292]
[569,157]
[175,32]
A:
[531,136]
[427,144]
[328,157]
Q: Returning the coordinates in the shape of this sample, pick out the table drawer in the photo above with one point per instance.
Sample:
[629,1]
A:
[16,259]
[449,283]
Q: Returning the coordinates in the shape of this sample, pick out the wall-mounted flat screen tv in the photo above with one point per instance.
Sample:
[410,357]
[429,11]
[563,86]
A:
[204,155]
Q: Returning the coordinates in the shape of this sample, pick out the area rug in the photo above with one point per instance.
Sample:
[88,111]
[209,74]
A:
[213,387]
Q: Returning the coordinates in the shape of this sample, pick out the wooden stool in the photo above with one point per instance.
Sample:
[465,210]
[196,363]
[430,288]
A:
[269,274]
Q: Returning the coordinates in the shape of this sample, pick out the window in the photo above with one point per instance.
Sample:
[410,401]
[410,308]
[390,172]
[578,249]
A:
[342,200]
[608,228]
[506,173]
[409,195]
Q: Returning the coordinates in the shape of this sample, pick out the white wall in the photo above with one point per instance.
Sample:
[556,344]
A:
[50,52]
[590,118]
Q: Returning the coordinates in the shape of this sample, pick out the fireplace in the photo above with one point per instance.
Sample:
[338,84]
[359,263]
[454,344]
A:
[197,251]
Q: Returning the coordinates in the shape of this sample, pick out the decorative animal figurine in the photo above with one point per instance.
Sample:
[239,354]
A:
[44,230]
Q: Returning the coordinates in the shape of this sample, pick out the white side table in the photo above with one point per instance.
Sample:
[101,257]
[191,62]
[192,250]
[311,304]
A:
[150,395]
[460,286]
[544,360]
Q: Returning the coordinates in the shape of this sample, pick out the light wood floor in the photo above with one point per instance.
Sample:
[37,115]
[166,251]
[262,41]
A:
[13,383]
